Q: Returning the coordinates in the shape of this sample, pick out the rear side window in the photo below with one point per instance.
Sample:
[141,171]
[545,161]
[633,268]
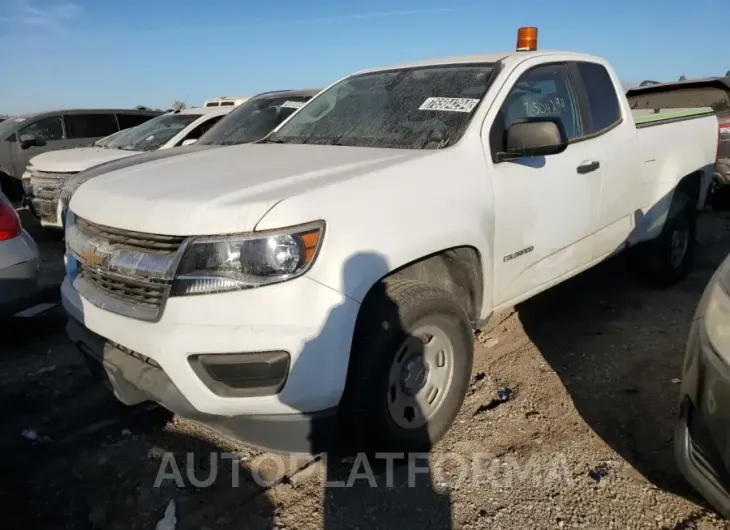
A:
[212,104]
[90,125]
[602,99]
[47,129]
[227,103]
[132,120]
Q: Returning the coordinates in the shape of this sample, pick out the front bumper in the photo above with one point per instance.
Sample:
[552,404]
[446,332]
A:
[47,211]
[312,323]
[702,433]
[133,380]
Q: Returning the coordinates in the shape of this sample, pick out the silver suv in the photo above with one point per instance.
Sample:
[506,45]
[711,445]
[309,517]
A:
[27,135]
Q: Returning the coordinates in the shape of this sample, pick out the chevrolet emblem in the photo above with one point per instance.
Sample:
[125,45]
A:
[91,258]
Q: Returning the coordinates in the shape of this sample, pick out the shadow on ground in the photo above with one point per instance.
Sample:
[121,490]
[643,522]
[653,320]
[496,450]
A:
[617,345]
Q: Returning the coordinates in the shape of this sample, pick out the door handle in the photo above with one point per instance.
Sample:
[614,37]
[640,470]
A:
[587,167]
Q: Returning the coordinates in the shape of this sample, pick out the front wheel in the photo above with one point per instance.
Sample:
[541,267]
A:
[409,368]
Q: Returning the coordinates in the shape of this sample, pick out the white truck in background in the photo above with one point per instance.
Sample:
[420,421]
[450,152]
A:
[226,101]
[327,279]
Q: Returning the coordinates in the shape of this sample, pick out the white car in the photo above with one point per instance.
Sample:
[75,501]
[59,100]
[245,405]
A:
[331,274]
[104,141]
[47,172]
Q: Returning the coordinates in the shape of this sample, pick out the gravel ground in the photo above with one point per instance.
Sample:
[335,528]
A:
[582,441]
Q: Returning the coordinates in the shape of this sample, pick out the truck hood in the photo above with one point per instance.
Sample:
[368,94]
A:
[75,160]
[222,190]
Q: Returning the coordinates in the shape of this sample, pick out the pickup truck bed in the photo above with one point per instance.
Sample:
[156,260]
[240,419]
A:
[655,130]
[713,93]
[649,117]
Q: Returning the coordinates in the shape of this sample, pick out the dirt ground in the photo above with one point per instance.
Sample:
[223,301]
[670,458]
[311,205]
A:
[584,439]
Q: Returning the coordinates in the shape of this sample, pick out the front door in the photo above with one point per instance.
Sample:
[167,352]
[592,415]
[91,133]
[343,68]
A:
[545,207]
[49,136]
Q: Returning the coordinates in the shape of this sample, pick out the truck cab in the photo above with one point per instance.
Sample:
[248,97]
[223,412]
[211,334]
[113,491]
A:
[328,278]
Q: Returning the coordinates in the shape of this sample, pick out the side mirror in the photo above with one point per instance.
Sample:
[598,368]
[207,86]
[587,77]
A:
[27,140]
[189,141]
[536,137]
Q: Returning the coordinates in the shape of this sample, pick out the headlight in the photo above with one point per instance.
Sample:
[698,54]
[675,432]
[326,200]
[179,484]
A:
[220,264]
[717,313]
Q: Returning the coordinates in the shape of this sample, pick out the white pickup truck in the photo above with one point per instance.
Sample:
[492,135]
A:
[328,278]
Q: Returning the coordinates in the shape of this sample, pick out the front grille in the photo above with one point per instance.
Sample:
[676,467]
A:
[147,293]
[46,185]
[153,243]
[46,210]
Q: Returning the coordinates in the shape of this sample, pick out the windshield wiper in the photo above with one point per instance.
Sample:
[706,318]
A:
[272,141]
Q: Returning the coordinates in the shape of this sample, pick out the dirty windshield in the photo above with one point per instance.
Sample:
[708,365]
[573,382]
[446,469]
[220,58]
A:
[410,108]
[253,120]
[152,134]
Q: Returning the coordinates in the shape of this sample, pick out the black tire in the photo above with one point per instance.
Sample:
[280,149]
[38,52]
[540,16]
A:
[388,315]
[656,262]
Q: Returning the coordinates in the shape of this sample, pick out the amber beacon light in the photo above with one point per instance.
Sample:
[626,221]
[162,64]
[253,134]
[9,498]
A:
[527,39]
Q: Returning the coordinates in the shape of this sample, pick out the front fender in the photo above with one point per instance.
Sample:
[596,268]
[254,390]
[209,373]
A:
[356,255]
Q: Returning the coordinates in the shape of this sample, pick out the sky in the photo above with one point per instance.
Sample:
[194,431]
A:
[105,53]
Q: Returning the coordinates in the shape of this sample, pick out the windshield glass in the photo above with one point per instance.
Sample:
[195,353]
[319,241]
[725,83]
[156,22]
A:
[106,140]
[153,133]
[253,120]
[410,108]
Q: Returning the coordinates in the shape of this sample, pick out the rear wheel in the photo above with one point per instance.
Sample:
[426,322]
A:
[409,368]
[670,257]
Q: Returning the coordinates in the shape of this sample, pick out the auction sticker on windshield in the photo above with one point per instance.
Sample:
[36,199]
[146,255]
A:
[450,104]
[292,104]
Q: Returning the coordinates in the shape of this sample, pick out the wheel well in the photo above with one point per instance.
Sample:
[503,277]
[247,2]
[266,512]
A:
[457,270]
[691,185]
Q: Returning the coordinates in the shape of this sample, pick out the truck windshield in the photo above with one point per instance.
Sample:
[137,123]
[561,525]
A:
[253,120]
[408,108]
[153,133]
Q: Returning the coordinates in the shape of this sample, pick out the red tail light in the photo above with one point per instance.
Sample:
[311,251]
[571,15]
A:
[9,222]
[722,130]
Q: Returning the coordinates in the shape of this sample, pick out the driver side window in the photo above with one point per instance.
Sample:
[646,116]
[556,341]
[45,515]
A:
[543,92]
[47,129]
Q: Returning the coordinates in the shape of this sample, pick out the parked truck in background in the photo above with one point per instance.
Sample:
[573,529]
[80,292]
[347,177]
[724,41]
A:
[225,101]
[711,92]
[328,278]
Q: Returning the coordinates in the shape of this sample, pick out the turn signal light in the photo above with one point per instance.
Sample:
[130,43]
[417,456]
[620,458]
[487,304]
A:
[527,39]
